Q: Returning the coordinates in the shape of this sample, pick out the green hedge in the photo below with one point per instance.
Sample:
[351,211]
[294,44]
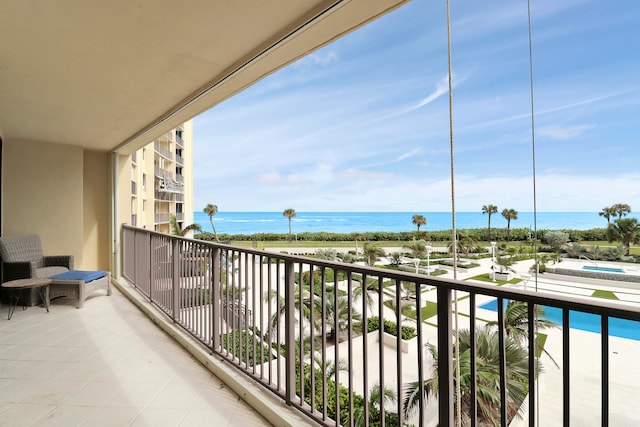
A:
[477,234]
[235,343]
[390,327]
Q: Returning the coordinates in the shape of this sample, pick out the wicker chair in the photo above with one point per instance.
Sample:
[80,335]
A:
[22,258]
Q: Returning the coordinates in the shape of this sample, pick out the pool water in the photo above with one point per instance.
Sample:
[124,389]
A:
[585,321]
[603,269]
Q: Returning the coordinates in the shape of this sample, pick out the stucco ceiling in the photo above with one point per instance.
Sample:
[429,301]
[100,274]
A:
[116,74]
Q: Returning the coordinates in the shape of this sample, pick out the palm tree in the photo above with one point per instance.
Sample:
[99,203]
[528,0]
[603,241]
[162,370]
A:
[621,209]
[177,230]
[302,306]
[211,210]
[487,376]
[375,395]
[516,322]
[419,220]
[509,214]
[337,316]
[289,213]
[418,248]
[607,213]
[489,210]
[356,236]
[625,231]
[372,252]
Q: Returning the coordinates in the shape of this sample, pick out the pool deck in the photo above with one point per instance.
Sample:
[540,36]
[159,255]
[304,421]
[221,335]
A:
[585,378]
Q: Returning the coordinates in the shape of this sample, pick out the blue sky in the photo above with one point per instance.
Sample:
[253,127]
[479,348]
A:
[363,124]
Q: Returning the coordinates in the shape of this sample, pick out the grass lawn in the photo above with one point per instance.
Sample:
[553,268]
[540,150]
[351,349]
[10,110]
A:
[487,278]
[599,293]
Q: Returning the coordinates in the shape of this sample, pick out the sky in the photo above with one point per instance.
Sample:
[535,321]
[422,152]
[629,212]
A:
[363,124]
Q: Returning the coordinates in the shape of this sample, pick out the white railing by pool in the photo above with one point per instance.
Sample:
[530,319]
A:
[284,320]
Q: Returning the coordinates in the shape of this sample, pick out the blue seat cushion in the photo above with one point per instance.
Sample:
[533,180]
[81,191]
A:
[87,276]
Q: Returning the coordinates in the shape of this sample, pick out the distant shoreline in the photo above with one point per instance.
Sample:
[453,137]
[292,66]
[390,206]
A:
[347,222]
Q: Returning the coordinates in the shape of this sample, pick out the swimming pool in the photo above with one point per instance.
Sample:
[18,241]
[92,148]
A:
[604,269]
[585,321]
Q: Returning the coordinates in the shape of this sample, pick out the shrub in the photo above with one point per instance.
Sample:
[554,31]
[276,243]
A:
[390,327]
[235,343]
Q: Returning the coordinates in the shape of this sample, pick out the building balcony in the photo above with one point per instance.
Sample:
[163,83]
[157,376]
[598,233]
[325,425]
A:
[179,141]
[179,197]
[164,196]
[170,186]
[163,151]
[179,160]
[106,364]
[134,188]
[162,173]
[180,178]
[162,218]
[244,307]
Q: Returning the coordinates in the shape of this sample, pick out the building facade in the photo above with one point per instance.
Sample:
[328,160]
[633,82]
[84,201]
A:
[162,181]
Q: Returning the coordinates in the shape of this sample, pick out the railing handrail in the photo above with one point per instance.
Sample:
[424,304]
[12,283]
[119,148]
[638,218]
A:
[189,279]
[597,306]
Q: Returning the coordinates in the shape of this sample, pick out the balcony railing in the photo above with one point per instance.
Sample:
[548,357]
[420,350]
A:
[162,173]
[163,195]
[179,141]
[284,320]
[180,216]
[179,160]
[179,197]
[164,152]
[161,218]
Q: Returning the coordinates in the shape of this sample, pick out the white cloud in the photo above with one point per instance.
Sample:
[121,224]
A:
[562,133]
[277,180]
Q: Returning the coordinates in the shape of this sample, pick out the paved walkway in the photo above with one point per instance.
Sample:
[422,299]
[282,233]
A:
[106,364]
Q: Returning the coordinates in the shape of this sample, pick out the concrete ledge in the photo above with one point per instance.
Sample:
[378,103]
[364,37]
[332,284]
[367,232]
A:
[389,340]
[268,405]
[590,274]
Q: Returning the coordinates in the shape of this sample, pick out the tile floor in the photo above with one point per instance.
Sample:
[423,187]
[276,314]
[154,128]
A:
[105,365]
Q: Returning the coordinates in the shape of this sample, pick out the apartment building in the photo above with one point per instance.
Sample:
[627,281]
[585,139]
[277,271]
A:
[162,181]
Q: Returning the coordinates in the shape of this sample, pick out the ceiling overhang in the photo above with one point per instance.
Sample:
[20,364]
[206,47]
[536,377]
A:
[115,75]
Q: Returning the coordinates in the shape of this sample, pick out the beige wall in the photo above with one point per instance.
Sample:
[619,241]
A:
[97,211]
[42,194]
[61,193]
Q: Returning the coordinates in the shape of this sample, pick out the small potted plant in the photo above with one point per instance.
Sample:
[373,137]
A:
[504,268]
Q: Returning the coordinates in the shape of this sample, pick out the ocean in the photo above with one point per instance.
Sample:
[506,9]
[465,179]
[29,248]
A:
[347,222]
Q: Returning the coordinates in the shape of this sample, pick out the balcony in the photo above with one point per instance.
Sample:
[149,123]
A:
[179,178]
[162,173]
[179,197]
[161,218]
[105,363]
[163,151]
[253,309]
[163,195]
[170,186]
[179,160]
[180,216]
[134,188]
[179,141]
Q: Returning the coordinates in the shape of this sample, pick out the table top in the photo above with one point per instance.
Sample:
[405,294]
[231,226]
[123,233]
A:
[32,282]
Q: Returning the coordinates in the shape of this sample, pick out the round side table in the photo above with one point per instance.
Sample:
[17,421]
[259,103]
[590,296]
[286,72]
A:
[16,288]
